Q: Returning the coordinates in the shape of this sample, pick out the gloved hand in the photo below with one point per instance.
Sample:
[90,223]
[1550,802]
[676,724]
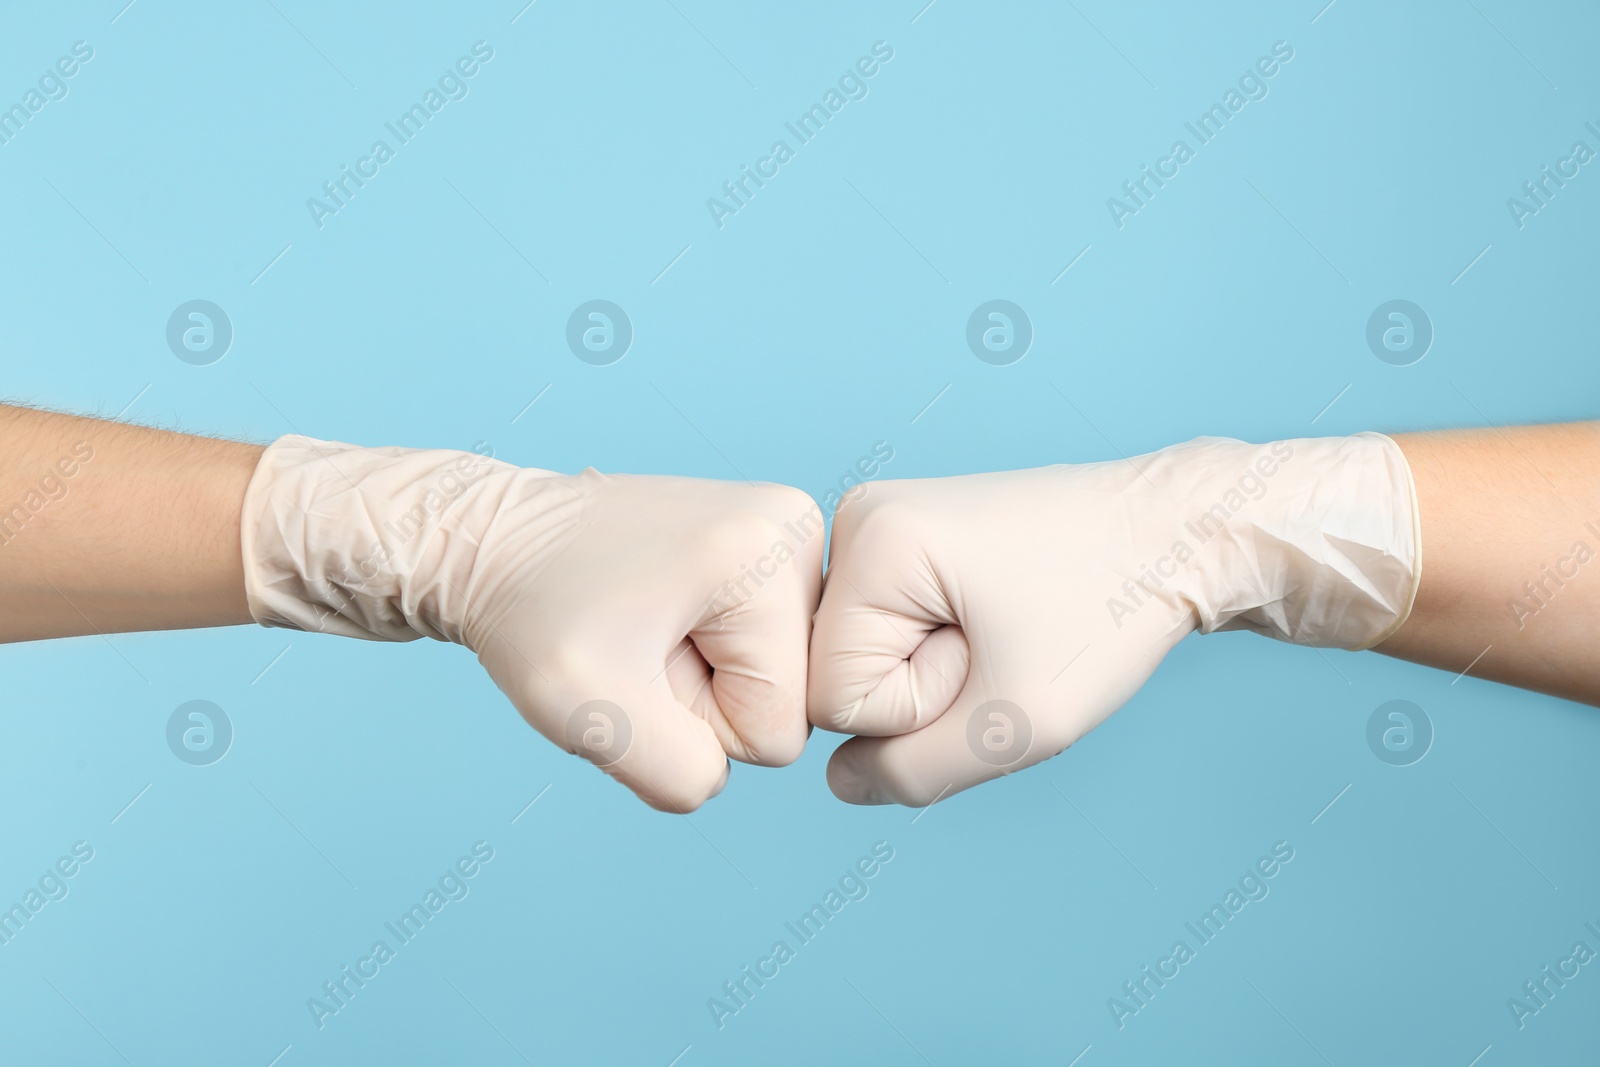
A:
[653,625]
[973,626]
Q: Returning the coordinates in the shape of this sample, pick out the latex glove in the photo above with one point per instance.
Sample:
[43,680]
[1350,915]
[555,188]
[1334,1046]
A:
[653,625]
[973,626]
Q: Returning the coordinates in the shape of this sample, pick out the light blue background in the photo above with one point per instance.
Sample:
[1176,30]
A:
[822,318]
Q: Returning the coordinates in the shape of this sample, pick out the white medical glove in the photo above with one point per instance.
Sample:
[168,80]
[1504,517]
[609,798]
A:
[653,625]
[973,626]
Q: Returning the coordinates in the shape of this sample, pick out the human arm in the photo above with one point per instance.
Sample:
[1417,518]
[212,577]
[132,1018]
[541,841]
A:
[653,625]
[1511,528]
[973,626]
[107,527]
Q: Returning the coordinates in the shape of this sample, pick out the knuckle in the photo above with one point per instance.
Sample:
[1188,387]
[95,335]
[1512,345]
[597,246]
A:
[830,714]
[697,774]
[737,533]
[903,779]
[874,525]
[687,793]
[902,786]
[783,748]
[788,503]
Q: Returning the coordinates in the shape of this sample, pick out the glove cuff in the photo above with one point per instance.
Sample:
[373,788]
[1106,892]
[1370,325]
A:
[1329,555]
[335,535]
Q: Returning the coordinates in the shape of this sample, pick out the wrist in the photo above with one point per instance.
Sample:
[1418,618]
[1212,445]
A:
[375,543]
[1311,540]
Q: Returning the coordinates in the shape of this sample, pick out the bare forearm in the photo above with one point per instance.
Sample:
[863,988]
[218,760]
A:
[1510,557]
[106,527]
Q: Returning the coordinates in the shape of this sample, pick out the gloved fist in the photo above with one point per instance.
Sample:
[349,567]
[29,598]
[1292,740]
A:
[973,626]
[653,625]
